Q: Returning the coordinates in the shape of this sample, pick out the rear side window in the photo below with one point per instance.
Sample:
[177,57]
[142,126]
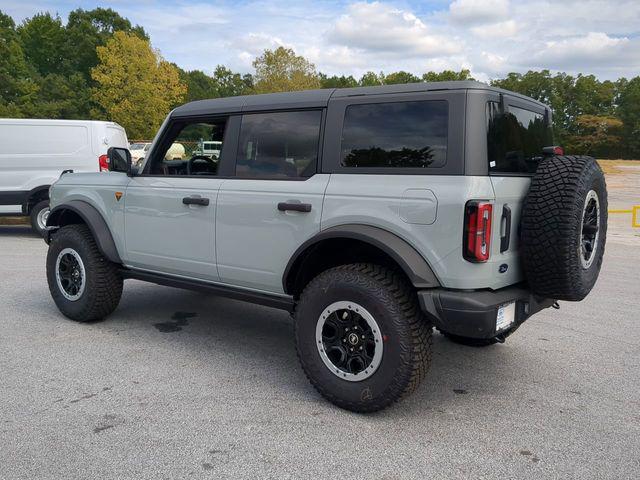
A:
[279,145]
[395,135]
[515,139]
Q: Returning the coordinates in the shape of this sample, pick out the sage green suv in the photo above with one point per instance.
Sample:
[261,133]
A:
[371,214]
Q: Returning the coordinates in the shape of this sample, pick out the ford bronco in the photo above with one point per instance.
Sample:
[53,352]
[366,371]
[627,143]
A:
[371,214]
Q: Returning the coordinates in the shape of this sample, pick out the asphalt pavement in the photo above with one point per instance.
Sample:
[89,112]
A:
[177,384]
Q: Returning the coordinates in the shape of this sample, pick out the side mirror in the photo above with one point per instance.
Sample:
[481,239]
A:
[119,160]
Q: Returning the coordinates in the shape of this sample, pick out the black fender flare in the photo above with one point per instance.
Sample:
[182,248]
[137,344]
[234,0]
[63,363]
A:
[408,259]
[93,219]
[30,194]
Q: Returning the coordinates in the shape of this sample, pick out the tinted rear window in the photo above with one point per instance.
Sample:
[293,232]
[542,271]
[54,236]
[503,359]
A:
[395,135]
[515,139]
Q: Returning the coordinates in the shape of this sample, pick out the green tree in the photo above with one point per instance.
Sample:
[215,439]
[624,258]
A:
[43,39]
[629,113]
[135,86]
[88,29]
[400,77]
[371,79]
[229,84]
[281,70]
[18,80]
[447,76]
[337,81]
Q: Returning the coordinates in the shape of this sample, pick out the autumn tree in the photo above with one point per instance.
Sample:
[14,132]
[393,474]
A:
[596,135]
[281,70]
[136,87]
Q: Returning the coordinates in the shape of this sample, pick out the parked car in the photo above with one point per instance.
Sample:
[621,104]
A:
[138,151]
[372,214]
[34,152]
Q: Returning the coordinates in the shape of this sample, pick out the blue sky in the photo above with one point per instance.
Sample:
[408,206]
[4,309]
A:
[489,37]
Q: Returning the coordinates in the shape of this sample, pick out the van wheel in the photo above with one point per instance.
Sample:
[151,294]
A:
[361,337]
[39,215]
[84,285]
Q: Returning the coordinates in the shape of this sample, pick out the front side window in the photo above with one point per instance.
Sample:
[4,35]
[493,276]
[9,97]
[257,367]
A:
[279,145]
[515,139]
[184,155]
[396,135]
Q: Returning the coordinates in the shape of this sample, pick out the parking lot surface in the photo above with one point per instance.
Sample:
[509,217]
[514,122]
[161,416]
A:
[177,384]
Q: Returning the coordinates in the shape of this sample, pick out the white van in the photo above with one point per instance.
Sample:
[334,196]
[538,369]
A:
[33,154]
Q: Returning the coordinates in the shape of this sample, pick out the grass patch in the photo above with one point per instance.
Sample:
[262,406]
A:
[610,167]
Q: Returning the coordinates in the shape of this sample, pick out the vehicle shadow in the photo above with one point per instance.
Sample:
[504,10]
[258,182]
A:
[17,230]
[260,340]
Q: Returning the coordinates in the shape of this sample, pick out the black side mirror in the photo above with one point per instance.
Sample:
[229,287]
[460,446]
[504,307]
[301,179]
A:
[119,160]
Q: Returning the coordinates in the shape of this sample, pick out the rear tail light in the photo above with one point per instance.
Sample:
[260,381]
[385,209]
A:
[103,162]
[477,231]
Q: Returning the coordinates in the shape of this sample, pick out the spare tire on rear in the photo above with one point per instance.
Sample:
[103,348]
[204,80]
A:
[564,227]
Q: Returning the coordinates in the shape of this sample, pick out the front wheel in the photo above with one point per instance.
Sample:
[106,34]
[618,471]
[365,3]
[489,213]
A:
[38,216]
[361,337]
[84,285]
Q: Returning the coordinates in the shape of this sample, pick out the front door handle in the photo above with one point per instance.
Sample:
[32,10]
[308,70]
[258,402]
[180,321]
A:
[294,207]
[195,201]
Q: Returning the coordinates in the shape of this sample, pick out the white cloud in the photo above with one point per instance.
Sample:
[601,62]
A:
[477,12]
[382,28]
[596,49]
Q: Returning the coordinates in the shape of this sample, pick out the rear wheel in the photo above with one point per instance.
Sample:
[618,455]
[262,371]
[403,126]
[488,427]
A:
[361,337]
[39,215]
[84,285]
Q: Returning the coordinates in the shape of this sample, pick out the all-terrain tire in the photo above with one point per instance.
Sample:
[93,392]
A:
[103,283]
[405,333]
[552,227]
[37,216]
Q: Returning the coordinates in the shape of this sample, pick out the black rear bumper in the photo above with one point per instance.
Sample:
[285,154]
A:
[473,313]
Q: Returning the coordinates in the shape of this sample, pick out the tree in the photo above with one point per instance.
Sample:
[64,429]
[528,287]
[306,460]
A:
[18,80]
[400,77]
[596,135]
[371,79]
[88,29]
[199,85]
[229,84]
[281,70]
[337,81]
[135,86]
[43,40]
[447,76]
[629,113]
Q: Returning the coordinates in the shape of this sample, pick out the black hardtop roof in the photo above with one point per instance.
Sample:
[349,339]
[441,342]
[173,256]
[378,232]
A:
[320,98]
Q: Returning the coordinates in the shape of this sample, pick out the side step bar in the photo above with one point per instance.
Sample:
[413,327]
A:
[282,302]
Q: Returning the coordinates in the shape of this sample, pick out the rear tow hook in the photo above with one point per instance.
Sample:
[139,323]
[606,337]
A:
[556,305]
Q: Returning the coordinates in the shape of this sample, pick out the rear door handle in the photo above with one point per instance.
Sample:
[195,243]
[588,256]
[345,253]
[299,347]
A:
[505,239]
[195,201]
[294,207]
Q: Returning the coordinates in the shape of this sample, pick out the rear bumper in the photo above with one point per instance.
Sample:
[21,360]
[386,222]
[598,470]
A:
[473,313]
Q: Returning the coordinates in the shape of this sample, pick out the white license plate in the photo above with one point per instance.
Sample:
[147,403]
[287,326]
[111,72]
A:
[506,316]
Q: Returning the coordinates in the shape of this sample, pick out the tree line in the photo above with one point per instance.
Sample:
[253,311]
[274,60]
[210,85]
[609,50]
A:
[98,65]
